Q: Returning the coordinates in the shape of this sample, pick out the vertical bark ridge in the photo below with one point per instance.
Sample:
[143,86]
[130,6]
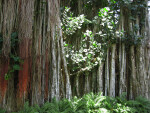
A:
[25,37]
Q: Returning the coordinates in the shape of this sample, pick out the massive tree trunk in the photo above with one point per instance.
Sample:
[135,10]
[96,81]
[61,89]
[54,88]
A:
[26,8]
[41,49]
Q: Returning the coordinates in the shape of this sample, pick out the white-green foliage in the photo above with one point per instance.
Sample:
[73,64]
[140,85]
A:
[88,55]
[93,46]
[108,26]
[91,51]
[71,24]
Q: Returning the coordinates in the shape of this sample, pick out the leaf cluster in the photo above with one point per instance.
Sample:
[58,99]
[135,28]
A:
[88,55]
[71,24]
[15,60]
[93,46]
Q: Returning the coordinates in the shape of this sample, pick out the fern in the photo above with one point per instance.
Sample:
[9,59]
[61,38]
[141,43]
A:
[65,106]
[91,103]
[50,107]
[2,111]
[28,109]
[141,105]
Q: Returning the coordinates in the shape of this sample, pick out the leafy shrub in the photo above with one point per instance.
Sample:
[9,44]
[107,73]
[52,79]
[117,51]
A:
[29,109]
[2,111]
[71,24]
[92,103]
[86,57]
[141,105]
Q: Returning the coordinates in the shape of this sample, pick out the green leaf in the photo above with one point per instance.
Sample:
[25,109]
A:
[94,44]
[100,14]
[105,9]
[89,56]
[66,45]
[11,71]
[6,76]
[16,67]
[16,59]
[113,1]
[14,35]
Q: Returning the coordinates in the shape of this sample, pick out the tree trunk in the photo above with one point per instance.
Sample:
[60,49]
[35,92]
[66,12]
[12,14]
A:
[122,82]
[113,73]
[107,79]
[133,79]
[68,86]
[26,8]
[100,77]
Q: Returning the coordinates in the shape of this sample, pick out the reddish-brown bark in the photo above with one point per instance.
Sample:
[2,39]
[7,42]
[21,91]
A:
[24,73]
[25,44]
[3,82]
[23,78]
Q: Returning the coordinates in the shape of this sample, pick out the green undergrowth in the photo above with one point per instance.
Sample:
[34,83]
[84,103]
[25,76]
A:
[92,103]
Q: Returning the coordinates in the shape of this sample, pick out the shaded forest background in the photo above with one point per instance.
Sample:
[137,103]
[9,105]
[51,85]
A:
[53,48]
